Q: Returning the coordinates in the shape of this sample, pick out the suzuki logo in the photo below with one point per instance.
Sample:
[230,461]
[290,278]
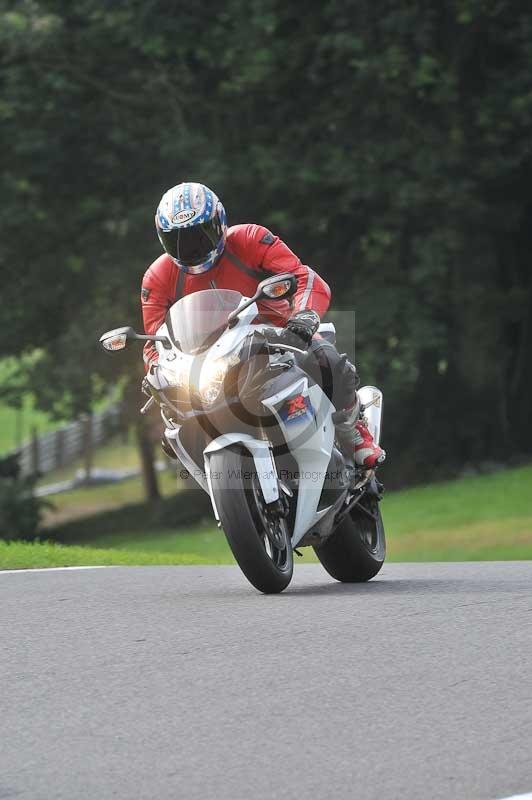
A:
[296,404]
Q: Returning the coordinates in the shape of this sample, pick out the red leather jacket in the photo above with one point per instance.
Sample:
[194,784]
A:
[251,254]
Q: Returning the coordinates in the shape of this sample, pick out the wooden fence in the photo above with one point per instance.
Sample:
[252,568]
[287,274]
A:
[49,451]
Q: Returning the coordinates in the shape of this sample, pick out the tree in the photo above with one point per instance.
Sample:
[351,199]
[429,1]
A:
[388,144]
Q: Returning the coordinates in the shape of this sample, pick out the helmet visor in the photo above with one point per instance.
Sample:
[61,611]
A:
[192,246]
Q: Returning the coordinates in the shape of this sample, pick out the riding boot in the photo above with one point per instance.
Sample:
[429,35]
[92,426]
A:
[340,381]
[355,438]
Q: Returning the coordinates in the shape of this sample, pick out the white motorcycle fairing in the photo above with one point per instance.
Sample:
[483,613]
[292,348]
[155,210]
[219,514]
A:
[313,456]
[245,412]
[261,453]
[311,451]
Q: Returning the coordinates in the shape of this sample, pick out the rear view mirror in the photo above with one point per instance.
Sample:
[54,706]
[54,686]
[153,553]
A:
[116,339]
[278,287]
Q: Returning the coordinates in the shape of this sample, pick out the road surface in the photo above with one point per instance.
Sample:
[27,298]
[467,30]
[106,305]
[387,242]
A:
[184,682]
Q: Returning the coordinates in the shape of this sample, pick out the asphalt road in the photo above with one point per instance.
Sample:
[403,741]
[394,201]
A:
[183,682]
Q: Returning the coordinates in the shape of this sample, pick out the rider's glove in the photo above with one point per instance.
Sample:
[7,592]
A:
[300,328]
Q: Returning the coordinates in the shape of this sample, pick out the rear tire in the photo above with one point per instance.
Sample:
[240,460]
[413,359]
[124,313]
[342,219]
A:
[259,541]
[356,550]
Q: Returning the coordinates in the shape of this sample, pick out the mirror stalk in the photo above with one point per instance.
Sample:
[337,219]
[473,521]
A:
[266,291]
[232,319]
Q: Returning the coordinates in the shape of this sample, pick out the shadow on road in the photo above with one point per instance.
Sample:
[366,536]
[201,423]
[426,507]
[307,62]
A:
[439,586]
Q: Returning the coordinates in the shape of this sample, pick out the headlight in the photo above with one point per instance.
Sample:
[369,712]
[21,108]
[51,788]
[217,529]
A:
[211,379]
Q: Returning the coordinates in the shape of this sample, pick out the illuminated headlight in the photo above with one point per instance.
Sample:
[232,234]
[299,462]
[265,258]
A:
[211,379]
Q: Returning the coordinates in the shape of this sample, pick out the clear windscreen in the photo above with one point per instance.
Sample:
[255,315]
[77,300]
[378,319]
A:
[197,320]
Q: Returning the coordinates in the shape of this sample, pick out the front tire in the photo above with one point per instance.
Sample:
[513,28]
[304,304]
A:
[356,550]
[259,541]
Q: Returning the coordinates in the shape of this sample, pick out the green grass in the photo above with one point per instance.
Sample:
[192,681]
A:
[24,555]
[486,517]
[481,518]
[473,518]
[204,540]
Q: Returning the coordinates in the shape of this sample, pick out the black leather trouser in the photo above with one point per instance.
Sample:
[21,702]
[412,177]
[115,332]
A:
[336,375]
[338,378]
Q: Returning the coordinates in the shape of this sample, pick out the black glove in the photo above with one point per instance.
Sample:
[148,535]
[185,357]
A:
[300,329]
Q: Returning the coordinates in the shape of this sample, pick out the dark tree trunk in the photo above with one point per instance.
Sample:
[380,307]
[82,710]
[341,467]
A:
[147,461]
[145,434]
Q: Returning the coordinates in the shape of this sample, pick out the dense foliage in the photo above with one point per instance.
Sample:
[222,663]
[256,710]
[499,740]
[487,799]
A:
[20,510]
[389,143]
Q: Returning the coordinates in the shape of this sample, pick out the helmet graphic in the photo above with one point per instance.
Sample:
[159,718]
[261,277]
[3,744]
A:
[192,226]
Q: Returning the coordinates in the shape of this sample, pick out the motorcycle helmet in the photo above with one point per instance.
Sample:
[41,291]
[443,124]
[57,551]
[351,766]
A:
[192,226]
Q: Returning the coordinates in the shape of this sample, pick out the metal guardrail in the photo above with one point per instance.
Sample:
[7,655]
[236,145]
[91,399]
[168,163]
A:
[49,451]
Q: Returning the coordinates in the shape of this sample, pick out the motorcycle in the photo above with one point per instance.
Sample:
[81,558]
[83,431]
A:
[257,433]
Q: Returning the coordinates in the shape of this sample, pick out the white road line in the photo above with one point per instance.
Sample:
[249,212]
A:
[518,797]
[53,569]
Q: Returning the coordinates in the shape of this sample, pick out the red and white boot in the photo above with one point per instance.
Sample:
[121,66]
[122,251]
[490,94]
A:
[367,453]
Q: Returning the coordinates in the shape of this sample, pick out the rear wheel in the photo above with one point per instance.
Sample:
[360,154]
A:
[257,535]
[357,549]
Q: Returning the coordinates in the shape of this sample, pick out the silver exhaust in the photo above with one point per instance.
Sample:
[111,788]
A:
[371,399]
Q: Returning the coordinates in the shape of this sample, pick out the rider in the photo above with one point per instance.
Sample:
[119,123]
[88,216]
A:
[201,252]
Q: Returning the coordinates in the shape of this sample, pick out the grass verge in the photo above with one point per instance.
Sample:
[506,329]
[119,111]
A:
[488,517]
[481,518]
[26,555]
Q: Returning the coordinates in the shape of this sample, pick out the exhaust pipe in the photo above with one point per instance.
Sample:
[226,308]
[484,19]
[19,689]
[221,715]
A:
[371,399]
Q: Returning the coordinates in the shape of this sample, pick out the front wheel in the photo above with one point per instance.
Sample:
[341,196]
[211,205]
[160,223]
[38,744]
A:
[356,550]
[258,537]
